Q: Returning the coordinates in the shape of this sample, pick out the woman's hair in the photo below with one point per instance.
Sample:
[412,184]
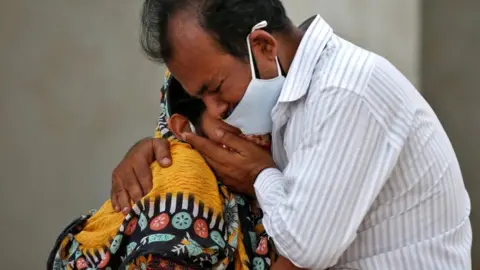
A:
[180,102]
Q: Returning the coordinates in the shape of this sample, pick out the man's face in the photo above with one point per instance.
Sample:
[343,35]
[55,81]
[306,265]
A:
[205,71]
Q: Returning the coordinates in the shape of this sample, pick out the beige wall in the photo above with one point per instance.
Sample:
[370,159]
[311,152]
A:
[76,92]
[390,28]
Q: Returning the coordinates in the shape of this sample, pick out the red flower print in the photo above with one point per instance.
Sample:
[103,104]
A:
[105,260]
[159,222]
[262,248]
[131,226]
[201,228]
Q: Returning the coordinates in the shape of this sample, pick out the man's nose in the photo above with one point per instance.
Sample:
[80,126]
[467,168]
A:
[215,107]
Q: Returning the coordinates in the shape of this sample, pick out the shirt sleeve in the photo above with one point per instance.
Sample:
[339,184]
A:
[313,208]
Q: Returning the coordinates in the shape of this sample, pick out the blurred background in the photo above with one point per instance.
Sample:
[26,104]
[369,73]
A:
[76,92]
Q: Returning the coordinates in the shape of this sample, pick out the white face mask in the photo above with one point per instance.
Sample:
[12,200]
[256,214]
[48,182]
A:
[253,113]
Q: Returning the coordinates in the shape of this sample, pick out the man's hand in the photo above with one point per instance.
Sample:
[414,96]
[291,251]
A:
[237,164]
[132,178]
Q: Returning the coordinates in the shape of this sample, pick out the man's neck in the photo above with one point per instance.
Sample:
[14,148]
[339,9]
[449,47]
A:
[305,24]
[288,43]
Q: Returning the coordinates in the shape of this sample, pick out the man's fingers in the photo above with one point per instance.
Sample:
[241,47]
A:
[220,170]
[161,148]
[119,196]
[207,147]
[230,140]
[196,141]
[217,166]
[144,176]
[116,186]
[134,192]
[131,186]
[122,199]
[114,200]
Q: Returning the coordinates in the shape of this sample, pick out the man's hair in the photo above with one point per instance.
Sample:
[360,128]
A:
[182,103]
[228,21]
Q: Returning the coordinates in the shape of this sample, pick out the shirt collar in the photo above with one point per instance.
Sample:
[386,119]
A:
[303,64]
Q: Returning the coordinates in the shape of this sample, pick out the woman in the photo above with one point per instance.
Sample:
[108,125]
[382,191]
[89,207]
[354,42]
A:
[188,220]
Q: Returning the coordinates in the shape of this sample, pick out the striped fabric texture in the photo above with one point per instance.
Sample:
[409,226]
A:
[367,177]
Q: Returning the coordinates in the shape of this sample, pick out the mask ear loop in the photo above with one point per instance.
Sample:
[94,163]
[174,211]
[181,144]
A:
[279,70]
[192,127]
[258,26]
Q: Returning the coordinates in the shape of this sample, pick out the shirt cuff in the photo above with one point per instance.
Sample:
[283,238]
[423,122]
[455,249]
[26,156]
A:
[269,187]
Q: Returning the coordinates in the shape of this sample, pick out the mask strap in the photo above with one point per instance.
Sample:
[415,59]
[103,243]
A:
[279,70]
[192,127]
[259,25]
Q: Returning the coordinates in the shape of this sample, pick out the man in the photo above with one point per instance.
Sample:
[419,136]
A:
[351,136]
[186,221]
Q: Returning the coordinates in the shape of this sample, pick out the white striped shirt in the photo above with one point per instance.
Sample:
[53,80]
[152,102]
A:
[367,177]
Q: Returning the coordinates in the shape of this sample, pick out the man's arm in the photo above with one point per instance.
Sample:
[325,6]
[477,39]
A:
[313,208]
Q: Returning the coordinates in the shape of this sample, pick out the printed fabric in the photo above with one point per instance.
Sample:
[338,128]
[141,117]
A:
[154,237]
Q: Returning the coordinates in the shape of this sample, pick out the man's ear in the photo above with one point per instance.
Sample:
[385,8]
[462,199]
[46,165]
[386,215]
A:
[265,50]
[178,124]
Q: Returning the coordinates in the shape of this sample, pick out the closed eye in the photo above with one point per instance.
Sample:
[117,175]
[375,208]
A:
[214,91]
[217,89]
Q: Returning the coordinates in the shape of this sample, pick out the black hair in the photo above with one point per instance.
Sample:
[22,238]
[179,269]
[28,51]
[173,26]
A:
[180,102]
[228,21]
